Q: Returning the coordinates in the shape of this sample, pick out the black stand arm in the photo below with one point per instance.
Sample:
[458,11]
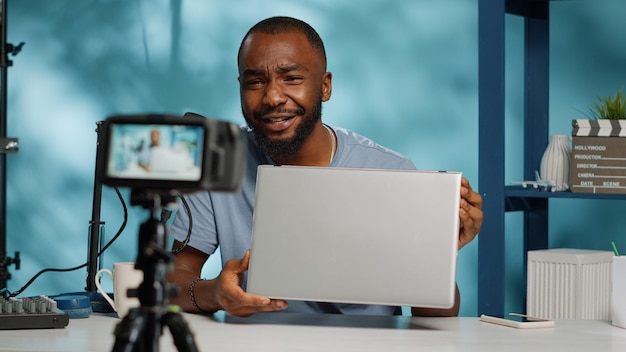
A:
[95,225]
[7,145]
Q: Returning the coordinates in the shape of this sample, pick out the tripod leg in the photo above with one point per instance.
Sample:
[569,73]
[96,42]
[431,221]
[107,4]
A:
[182,336]
[128,332]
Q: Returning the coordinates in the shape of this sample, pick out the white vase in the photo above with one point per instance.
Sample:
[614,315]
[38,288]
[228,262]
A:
[555,162]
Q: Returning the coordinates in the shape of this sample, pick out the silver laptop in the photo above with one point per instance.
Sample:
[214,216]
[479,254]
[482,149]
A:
[368,236]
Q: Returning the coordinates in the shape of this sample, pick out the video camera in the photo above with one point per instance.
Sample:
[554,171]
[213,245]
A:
[161,157]
[171,155]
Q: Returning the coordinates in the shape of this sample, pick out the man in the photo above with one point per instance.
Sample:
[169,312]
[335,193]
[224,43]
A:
[283,82]
[146,154]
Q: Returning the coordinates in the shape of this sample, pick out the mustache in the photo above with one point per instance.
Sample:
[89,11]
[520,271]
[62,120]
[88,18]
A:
[260,114]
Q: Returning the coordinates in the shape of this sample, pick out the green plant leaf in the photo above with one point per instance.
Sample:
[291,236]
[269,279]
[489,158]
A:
[609,107]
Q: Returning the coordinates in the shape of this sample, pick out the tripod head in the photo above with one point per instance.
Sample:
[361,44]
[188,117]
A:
[153,258]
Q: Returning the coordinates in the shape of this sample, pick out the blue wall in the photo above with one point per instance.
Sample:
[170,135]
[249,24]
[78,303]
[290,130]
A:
[405,74]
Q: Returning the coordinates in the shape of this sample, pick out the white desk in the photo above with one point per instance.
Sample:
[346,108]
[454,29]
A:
[290,332]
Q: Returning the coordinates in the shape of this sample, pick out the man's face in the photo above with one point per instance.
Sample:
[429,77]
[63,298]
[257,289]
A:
[155,135]
[282,84]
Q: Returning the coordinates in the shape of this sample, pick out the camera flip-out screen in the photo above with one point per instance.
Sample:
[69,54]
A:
[166,152]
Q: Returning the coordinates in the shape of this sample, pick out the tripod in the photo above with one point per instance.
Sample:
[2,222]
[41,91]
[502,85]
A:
[141,328]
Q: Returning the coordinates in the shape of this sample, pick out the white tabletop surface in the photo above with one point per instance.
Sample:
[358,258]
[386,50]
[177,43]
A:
[295,332]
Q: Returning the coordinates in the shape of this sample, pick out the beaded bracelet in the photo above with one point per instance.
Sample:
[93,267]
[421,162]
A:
[193,299]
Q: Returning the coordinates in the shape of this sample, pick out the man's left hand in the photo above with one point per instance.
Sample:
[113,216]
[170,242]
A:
[471,214]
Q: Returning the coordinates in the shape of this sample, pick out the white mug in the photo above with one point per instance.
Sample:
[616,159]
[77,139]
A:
[124,276]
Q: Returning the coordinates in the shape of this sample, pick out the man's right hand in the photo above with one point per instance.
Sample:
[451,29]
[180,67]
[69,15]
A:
[222,293]
[233,299]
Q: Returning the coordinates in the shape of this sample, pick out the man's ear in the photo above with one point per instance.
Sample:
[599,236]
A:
[327,86]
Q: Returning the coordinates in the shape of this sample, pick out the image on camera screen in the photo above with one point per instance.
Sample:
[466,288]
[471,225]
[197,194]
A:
[155,152]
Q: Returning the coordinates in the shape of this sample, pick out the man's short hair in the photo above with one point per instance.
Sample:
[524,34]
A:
[283,24]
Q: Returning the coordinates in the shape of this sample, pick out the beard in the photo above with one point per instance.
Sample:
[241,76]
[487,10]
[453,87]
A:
[288,147]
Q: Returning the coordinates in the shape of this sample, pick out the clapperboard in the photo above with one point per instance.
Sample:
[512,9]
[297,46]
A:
[598,162]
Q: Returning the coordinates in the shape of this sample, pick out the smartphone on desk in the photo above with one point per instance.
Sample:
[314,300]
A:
[519,321]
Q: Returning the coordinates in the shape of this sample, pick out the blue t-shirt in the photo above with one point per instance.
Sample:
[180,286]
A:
[224,219]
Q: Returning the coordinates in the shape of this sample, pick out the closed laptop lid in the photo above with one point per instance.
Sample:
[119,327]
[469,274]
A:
[347,235]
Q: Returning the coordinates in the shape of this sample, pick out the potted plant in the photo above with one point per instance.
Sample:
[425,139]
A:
[598,163]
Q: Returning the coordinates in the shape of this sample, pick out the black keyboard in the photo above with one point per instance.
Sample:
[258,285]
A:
[31,313]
